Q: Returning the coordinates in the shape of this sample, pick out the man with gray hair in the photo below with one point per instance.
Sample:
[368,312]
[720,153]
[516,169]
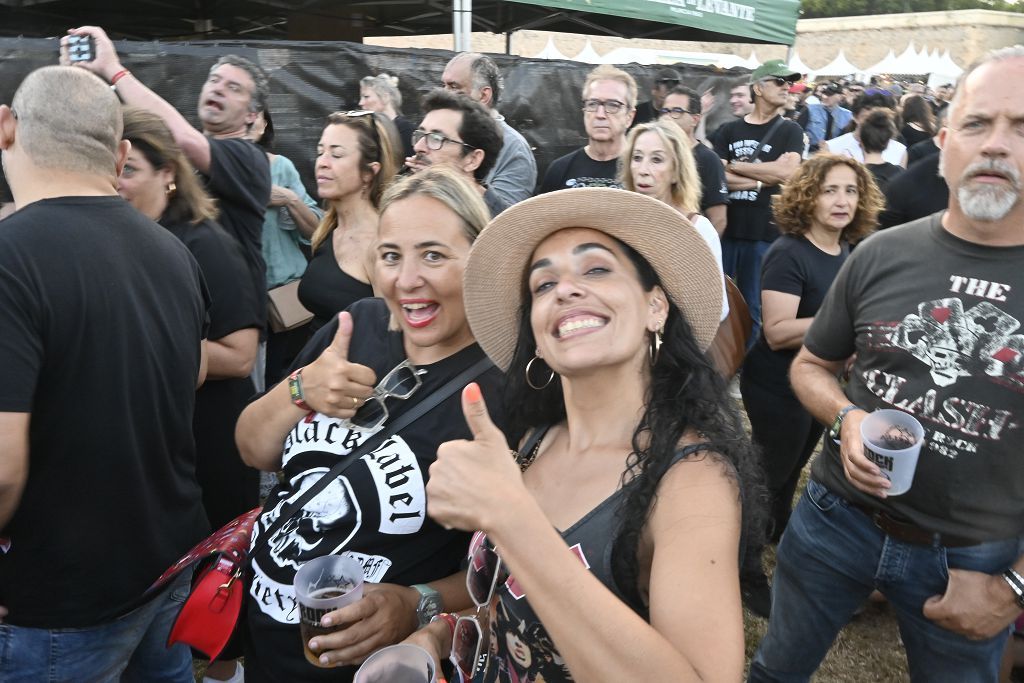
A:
[237,172]
[933,312]
[514,175]
[103,315]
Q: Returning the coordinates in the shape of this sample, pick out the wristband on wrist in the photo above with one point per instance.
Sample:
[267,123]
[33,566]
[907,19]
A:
[759,186]
[295,390]
[449,619]
[118,76]
[1016,583]
[837,424]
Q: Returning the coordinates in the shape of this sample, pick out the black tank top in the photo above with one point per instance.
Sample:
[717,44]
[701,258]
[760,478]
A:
[327,290]
[520,649]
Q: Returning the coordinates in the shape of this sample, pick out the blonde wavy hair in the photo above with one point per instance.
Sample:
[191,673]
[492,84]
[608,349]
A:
[685,188]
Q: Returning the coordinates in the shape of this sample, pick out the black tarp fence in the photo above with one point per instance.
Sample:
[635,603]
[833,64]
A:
[309,80]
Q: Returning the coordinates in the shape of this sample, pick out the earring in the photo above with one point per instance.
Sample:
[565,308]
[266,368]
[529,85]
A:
[530,382]
[171,189]
[656,342]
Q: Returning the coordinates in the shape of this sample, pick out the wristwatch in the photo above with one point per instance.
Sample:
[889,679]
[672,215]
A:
[430,604]
[295,389]
[837,424]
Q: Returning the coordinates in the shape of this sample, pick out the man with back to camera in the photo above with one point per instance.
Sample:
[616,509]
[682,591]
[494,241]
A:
[514,174]
[933,311]
[682,106]
[103,313]
[458,131]
[609,101]
[760,151]
[236,171]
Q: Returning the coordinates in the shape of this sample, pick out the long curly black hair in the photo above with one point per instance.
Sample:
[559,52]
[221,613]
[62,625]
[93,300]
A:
[685,393]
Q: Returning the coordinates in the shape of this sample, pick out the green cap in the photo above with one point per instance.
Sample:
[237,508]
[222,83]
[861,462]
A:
[774,67]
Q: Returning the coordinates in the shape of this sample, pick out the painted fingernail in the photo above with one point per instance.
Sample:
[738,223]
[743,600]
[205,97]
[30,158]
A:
[473,393]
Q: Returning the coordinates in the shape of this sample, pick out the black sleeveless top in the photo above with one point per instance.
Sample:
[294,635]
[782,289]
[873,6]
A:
[327,290]
[520,649]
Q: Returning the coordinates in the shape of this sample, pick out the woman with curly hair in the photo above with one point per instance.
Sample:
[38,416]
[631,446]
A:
[829,205]
[618,531]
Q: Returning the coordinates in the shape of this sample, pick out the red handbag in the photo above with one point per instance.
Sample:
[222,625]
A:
[208,617]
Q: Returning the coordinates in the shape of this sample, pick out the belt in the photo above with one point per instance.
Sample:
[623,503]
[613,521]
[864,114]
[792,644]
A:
[908,532]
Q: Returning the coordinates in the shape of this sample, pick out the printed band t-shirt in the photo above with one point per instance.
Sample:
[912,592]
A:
[750,215]
[577,169]
[714,191]
[935,322]
[101,316]
[375,511]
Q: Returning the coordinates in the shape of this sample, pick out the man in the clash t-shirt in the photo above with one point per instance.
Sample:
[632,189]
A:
[760,151]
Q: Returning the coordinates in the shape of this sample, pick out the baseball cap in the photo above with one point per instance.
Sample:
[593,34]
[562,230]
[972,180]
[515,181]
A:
[797,88]
[774,67]
[668,76]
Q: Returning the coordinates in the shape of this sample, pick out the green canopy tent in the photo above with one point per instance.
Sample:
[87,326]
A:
[751,21]
[748,21]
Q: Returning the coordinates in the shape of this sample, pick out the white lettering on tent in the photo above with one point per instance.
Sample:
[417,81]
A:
[722,8]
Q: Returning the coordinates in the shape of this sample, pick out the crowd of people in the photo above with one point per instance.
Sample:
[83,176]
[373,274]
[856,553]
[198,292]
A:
[590,505]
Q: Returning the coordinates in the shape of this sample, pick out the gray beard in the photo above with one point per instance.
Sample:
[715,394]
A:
[987,203]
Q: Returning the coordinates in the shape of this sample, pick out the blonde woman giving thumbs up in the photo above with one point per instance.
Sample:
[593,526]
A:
[375,361]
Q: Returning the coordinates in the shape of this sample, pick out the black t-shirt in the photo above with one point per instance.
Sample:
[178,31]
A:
[240,181]
[714,191]
[375,511]
[102,312]
[750,216]
[577,169]
[644,112]
[916,193]
[916,153]
[5,189]
[229,488]
[792,265]
[912,136]
[326,290]
[884,172]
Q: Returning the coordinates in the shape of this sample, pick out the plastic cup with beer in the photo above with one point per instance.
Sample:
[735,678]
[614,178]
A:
[400,663]
[323,585]
[892,440]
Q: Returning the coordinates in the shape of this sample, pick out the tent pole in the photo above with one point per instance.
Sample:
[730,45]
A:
[508,42]
[457,25]
[467,25]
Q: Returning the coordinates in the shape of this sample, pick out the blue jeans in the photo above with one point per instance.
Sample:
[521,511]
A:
[131,648]
[830,559]
[741,260]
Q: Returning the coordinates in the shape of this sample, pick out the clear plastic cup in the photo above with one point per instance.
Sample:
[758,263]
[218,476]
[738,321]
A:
[323,585]
[892,440]
[400,663]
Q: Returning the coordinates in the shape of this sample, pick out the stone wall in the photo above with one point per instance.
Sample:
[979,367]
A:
[865,40]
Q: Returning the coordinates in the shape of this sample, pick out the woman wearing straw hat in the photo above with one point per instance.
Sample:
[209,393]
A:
[615,550]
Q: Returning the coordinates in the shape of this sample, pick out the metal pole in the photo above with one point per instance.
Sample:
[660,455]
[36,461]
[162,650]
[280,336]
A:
[457,25]
[467,25]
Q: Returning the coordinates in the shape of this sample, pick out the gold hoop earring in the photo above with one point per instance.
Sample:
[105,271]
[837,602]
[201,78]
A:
[656,342]
[530,383]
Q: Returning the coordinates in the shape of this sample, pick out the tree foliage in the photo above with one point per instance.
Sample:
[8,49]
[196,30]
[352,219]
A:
[811,9]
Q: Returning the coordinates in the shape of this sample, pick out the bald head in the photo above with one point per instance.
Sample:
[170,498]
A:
[68,120]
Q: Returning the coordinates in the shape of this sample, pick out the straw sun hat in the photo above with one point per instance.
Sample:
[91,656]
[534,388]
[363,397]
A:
[497,264]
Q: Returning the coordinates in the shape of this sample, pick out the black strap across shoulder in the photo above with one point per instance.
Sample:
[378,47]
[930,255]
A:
[767,136]
[401,422]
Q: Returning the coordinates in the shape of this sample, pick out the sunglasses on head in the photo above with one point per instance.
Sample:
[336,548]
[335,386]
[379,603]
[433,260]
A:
[482,578]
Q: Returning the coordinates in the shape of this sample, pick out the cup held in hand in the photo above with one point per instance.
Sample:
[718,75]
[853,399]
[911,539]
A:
[402,663]
[323,585]
[892,440]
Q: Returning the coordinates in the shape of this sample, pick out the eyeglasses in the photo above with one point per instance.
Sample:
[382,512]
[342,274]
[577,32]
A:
[485,569]
[435,141]
[674,112]
[610,106]
[777,80]
[401,383]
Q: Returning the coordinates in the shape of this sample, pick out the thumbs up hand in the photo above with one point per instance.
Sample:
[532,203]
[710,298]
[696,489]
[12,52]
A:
[474,481]
[334,386]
